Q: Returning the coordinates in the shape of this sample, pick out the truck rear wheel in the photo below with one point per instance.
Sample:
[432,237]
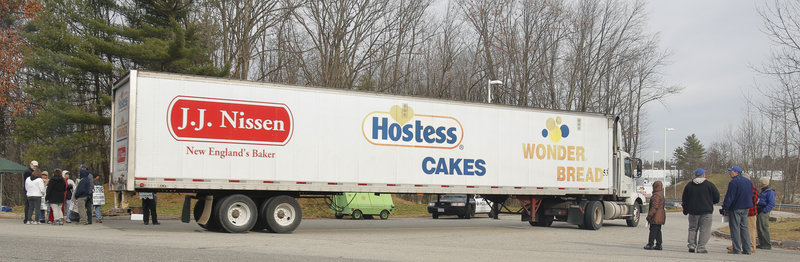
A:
[384,214]
[593,216]
[283,214]
[634,221]
[237,213]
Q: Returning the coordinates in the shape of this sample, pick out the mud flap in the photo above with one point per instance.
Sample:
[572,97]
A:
[206,210]
[187,207]
[575,214]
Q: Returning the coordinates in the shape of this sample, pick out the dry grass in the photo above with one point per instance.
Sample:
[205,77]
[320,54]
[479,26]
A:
[788,229]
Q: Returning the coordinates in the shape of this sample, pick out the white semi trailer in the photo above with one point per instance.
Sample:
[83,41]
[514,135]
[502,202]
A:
[248,149]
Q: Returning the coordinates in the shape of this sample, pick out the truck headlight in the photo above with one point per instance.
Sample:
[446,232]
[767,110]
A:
[431,204]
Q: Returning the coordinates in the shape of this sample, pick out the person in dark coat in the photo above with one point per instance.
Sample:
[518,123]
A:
[738,200]
[698,201]
[149,206]
[56,192]
[82,193]
[656,217]
[84,172]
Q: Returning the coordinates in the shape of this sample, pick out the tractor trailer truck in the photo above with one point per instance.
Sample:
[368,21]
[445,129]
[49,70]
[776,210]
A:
[248,150]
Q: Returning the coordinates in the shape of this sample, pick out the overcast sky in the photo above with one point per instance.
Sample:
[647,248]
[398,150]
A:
[714,45]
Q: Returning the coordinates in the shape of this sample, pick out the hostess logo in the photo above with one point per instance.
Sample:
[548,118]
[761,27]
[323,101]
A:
[402,127]
[229,121]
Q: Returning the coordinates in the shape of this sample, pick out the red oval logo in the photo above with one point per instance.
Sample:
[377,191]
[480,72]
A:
[201,119]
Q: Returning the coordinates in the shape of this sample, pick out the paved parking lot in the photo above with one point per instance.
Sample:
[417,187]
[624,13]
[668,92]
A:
[396,239]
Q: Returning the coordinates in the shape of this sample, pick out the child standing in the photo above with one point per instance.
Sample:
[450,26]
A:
[656,217]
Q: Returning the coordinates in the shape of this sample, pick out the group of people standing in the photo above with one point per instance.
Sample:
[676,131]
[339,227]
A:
[58,195]
[746,207]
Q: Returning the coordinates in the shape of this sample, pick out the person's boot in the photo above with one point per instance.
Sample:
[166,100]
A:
[649,246]
[657,247]
[146,222]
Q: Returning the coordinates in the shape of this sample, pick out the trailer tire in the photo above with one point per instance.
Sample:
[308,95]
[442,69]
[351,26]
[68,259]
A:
[237,213]
[384,214]
[593,216]
[261,221]
[357,215]
[634,221]
[283,214]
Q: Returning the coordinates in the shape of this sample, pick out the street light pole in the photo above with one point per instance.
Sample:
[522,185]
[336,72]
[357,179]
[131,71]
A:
[665,147]
[653,160]
[489,89]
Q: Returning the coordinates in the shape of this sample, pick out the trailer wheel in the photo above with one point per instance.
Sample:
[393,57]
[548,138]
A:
[634,221]
[237,213]
[593,216]
[384,214]
[283,214]
[261,220]
[357,215]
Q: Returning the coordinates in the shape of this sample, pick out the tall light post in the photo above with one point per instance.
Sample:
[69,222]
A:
[674,182]
[653,160]
[665,147]
[489,89]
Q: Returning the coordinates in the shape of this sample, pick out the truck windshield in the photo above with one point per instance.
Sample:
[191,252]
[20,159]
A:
[461,198]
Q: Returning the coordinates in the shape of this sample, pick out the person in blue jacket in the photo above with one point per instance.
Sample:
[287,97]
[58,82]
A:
[766,201]
[82,194]
[738,200]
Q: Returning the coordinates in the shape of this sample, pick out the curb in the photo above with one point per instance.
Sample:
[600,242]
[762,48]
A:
[775,243]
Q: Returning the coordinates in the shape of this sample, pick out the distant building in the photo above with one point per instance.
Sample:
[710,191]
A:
[775,175]
[644,184]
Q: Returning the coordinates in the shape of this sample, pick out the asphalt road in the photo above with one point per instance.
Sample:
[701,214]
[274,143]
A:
[396,239]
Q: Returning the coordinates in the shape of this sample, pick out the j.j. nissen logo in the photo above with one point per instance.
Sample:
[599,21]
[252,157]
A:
[229,121]
[400,126]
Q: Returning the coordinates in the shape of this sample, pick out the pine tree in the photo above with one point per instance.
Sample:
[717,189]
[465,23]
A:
[81,49]
[690,156]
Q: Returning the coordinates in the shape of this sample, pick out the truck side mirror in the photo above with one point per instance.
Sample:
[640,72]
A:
[638,168]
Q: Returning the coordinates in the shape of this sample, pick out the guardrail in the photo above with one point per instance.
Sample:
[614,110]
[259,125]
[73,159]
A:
[786,207]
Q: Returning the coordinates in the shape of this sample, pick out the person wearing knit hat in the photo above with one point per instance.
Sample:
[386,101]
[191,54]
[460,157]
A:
[766,201]
[698,201]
